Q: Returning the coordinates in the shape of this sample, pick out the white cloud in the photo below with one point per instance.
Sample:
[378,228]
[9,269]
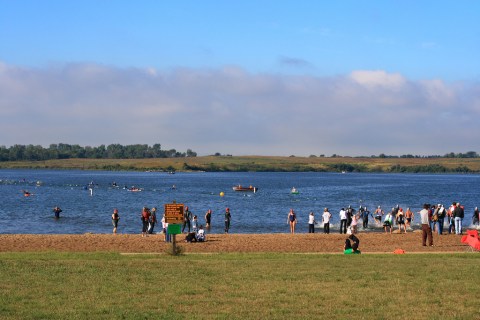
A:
[232,111]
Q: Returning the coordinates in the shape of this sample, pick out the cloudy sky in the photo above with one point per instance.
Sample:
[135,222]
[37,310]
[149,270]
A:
[245,77]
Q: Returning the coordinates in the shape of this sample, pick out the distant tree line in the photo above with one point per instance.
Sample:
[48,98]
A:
[66,151]
[469,154]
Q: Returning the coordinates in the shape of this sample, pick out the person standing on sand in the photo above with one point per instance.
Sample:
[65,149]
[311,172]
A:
[187,217]
[450,218]
[292,220]
[195,224]
[354,224]
[115,218]
[228,218]
[409,216]
[152,220]
[458,214]
[311,222]
[326,220]
[476,216]
[426,230]
[343,221]
[145,218]
[441,213]
[400,219]
[208,218]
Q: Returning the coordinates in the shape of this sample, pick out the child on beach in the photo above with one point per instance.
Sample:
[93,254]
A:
[195,223]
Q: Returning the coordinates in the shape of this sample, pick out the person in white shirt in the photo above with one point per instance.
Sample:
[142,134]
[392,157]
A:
[326,221]
[426,230]
[311,222]
[343,221]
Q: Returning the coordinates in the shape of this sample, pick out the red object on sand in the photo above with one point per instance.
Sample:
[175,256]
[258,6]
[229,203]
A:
[399,251]
[472,239]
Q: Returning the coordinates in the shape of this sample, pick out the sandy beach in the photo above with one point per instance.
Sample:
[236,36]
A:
[216,243]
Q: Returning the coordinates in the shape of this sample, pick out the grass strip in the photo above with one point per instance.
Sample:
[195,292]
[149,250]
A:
[238,286]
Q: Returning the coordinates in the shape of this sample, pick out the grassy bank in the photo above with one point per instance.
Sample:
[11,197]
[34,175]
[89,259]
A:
[263,163]
[238,286]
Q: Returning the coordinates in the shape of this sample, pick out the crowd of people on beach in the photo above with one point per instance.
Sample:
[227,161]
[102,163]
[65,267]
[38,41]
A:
[190,225]
[436,216]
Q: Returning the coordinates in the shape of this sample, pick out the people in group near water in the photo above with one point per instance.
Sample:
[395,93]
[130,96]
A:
[350,248]
[56,212]
[228,218]
[377,215]
[426,229]
[364,214]
[409,217]
[152,220]
[400,220]
[476,216]
[195,223]
[292,220]
[388,222]
[208,218]
[115,218]
[458,214]
[187,217]
[145,217]
[343,221]
[326,216]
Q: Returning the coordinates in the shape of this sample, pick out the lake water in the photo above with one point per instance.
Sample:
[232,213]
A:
[262,212]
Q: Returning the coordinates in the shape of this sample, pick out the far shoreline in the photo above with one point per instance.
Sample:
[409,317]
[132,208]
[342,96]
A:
[260,164]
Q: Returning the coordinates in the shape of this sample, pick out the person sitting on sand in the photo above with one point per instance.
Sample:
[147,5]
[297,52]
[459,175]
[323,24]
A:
[350,248]
[201,234]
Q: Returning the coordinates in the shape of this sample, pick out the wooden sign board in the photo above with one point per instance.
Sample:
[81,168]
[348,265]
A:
[174,213]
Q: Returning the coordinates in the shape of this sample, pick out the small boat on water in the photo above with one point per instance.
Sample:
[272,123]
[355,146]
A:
[294,191]
[245,189]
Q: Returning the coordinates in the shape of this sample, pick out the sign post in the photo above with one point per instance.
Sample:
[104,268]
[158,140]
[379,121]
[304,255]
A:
[174,218]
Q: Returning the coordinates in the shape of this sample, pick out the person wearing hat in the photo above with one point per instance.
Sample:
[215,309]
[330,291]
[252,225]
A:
[228,218]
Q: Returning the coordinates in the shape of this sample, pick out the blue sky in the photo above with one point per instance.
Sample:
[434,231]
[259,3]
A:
[296,77]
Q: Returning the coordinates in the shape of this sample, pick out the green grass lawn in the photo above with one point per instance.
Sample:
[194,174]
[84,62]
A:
[239,286]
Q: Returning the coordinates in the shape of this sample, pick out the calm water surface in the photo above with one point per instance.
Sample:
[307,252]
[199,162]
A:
[263,212]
